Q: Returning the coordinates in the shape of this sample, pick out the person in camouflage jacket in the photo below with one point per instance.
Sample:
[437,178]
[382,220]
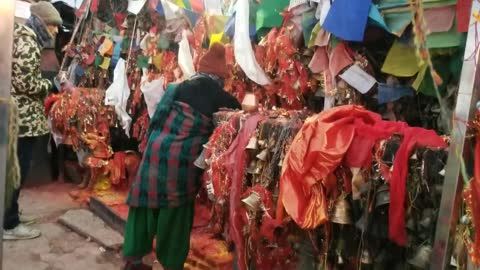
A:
[28,91]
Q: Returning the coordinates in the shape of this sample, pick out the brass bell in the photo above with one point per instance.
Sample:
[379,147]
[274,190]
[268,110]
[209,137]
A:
[125,24]
[342,213]
[427,217]
[383,195]
[263,155]
[252,202]
[200,161]
[465,220]
[410,224]
[258,170]
[366,258]
[251,167]
[252,143]
[250,103]
[421,258]
[262,143]
[358,182]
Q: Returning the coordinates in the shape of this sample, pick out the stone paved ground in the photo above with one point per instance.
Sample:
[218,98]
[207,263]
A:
[58,248]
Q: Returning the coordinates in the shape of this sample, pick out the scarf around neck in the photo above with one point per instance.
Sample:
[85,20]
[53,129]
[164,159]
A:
[40,29]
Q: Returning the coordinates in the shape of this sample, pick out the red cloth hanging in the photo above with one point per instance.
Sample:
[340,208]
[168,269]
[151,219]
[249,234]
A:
[345,134]
[236,165]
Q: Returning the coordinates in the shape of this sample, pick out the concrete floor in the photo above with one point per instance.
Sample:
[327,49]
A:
[58,248]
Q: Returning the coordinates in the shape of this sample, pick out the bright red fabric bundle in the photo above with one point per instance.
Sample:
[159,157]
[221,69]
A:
[345,134]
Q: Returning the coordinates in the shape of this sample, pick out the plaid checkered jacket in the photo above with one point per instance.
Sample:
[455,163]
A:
[166,176]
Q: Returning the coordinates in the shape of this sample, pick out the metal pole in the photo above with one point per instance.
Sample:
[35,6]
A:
[453,184]
[7,13]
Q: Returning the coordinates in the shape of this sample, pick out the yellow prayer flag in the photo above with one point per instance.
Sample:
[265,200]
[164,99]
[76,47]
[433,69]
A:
[313,36]
[157,61]
[179,3]
[106,63]
[216,38]
[106,47]
[216,24]
[420,76]
[401,61]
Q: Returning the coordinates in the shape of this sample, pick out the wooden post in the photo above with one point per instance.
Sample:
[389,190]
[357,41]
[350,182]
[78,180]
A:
[7,15]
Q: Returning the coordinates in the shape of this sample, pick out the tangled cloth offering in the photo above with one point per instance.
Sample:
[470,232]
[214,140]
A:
[345,134]
[236,167]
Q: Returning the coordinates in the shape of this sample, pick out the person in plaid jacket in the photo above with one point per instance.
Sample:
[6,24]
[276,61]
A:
[162,196]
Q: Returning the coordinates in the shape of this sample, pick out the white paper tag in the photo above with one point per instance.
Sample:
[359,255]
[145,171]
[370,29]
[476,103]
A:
[135,6]
[358,79]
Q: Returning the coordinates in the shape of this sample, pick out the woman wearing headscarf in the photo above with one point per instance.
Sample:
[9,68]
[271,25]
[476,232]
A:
[29,90]
[162,196]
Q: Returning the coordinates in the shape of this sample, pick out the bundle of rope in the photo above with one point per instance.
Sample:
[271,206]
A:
[12,180]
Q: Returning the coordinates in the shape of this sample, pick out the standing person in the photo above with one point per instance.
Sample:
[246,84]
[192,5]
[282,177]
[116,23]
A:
[162,196]
[29,90]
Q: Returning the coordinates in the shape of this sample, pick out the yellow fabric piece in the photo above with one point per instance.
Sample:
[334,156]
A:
[102,184]
[313,36]
[107,47]
[401,61]
[420,77]
[106,63]
[157,61]
[179,3]
[216,38]
[216,24]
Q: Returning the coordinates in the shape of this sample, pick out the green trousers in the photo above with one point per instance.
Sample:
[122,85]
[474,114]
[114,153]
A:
[171,226]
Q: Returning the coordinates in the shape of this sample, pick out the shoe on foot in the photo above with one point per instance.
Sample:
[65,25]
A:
[27,219]
[21,232]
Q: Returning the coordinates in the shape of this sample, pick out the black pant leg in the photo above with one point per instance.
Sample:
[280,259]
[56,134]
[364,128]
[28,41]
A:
[24,152]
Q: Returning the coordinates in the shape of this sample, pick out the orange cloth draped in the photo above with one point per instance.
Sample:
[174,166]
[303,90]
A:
[344,134]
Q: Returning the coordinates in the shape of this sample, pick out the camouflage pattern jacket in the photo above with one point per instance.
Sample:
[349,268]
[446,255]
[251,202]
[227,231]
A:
[29,89]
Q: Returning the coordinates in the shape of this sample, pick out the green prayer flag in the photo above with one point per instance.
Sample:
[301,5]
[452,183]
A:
[442,67]
[269,13]
[334,41]
[445,39]
[163,42]
[125,44]
[142,61]
[397,21]
[98,60]
[187,4]
[308,23]
[388,4]
[313,36]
